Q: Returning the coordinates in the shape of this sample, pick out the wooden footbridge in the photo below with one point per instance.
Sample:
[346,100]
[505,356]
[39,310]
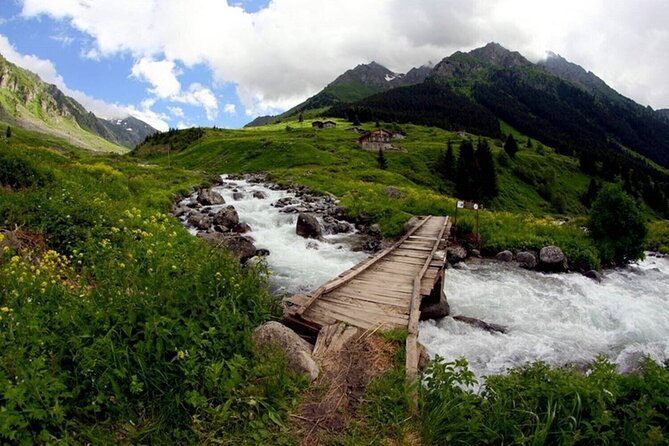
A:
[384,292]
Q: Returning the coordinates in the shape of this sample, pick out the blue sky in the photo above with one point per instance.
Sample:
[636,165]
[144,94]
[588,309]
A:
[174,63]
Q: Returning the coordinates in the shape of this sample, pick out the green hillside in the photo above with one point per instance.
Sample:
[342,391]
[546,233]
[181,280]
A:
[537,187]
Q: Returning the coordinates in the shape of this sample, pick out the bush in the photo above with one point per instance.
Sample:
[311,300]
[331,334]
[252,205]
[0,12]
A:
[617,226]
[19,173]
[536,404]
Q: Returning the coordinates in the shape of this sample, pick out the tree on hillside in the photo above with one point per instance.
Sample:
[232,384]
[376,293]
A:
[485,172]
[300,118]
[617,226]
[589,196]
[511,146]
[381,160]
[9,132]
[446,163]
[529,143]
[465,183]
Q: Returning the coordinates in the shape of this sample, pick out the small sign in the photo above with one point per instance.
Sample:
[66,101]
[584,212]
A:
[461,204]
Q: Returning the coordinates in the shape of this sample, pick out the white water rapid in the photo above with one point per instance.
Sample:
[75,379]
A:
[556,318]
[298,265]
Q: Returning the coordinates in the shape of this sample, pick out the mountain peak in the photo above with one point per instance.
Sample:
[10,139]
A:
[496,54]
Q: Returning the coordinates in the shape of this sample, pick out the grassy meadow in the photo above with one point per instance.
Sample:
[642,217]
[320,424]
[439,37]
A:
[118,327]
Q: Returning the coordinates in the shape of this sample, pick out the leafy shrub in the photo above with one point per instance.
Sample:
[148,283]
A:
[617,226]
[19,173]
[536,404]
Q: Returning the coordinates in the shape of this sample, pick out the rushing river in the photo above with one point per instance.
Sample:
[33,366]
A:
[557,318]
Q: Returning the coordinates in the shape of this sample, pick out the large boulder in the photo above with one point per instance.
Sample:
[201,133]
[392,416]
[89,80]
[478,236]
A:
[552,259]
[259,194]
[227,217]
[240,246]
[208,197]
[435,310]
[526,260]
[393,192]
[308,226]
[297,350]
[199,221]
[504,256]
[456,254]
[594,275]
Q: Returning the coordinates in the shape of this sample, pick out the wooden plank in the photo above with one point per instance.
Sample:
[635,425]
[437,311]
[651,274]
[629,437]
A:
[362,319]
[403,287]
[363,290]
[386,300]
[356,305]
[370,318]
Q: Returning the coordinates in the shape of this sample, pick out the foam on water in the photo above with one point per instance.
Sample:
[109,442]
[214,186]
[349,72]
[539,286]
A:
[557,318]
[295,267]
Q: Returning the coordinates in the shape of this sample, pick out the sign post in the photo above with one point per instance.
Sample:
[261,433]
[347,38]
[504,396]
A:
[460,204]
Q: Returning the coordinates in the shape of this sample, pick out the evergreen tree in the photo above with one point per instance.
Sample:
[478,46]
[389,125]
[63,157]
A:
[9,132]
[449,162]
[381,160]
[485,172]
[529,143]
[511,146]
[464,182]
[589,196]
[300,118]
[617,226]
[356,120]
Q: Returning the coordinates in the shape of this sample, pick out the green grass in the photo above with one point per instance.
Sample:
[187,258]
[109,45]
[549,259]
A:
[117,325]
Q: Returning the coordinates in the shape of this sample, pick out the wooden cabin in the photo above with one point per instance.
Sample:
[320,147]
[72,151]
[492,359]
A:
[317,124]
[329,124]
[376,139]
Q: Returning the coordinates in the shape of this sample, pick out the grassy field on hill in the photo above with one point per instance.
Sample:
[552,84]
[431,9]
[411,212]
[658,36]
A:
[330,161]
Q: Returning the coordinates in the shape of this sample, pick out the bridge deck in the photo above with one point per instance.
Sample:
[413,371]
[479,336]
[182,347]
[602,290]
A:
[379,292]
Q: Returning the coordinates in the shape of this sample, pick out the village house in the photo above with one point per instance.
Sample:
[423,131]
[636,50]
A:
[376,140]
[317,124]
[399,135]
[329,124]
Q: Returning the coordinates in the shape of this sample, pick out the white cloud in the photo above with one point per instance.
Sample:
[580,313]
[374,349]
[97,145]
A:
[46,70]
[177,112]
[289,50]
[161,74]
[230,109]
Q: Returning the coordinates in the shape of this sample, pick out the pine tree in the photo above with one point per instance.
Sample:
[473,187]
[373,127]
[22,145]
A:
[9,132]
[529,143]
[464,182]
[589,196]
[449,162]
[511,146]
[300,118]
[381,160]
[485,175]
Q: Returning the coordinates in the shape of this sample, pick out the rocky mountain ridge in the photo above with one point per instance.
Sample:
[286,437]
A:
[27,101]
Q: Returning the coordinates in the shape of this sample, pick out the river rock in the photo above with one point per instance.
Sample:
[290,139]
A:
[308,226]
[423,356]
[483,325]
[393,192]
[374,230]
[413,221]
[262,252]
[504,256]
[242,228]
[456,254]
[594,275]
[240,246]
[237,196]
[475,253]
[526,260]
[180,210]
[208,197]
[436,310]
[200,221]
[552,259]
[297,350]
[227,217]
[259,194]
